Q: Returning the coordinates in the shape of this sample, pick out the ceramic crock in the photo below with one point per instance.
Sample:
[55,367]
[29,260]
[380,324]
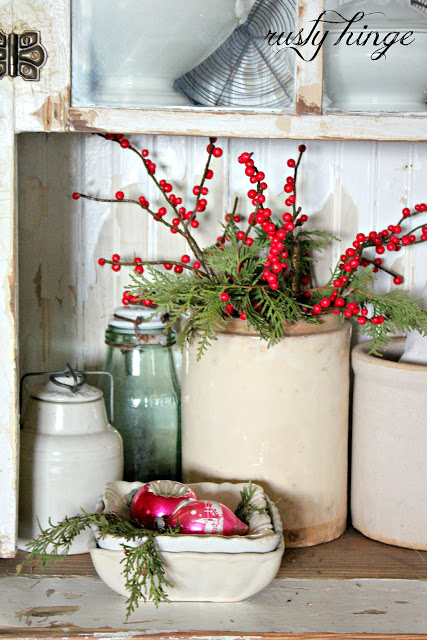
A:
[394,82]
[68,453]
[277,416]
[389,452]
[129,53]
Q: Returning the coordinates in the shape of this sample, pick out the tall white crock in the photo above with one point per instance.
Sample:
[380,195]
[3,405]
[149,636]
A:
[128,53]
[389,453]
[68,453]
[277,416]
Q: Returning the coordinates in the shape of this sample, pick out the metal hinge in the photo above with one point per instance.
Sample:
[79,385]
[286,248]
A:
[21,54]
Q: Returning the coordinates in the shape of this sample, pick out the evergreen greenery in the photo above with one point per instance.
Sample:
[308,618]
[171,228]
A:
[264,274]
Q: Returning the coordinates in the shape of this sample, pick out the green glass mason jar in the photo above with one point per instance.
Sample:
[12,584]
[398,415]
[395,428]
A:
[147,401]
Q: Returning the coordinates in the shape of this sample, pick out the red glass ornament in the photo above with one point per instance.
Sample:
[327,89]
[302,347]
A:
[157,500]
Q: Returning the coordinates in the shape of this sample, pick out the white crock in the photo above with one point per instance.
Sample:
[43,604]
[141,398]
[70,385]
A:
[354,82]
[69,452]
[277,416]
[389,453]
[139,48]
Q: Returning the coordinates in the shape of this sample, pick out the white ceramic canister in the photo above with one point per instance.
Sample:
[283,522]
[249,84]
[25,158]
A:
[277,416]
[68,453]
[395,81]
[389,452]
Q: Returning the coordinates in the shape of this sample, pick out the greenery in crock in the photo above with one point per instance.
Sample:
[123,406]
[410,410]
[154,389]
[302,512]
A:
[261,270]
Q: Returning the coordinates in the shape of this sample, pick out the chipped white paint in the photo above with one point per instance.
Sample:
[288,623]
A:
[195,122]
[43,105]
[8,389]
[309,72]
[287,605]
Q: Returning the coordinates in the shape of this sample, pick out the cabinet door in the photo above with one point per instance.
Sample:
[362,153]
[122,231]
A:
[24,106]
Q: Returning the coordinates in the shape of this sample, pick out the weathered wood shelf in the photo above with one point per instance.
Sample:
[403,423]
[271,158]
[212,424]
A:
[345,588]
[197,122]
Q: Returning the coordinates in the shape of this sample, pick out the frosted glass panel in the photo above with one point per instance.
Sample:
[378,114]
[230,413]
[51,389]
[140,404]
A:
[170,53]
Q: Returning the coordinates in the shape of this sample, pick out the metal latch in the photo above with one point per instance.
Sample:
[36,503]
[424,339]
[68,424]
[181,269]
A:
[21,54]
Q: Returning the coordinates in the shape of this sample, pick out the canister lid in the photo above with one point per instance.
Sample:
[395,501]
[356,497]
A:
[134,312]
[51,392]
[392,15]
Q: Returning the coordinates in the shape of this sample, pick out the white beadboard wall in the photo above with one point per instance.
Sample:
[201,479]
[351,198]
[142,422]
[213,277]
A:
[66,298]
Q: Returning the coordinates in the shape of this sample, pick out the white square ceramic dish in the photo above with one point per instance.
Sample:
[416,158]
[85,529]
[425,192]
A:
[223,570]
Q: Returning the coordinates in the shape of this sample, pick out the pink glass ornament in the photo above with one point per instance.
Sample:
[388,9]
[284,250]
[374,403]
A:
[156,500]
[206,516]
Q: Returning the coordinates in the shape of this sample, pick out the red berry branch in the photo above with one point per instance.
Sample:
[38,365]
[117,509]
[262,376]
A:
[262,272]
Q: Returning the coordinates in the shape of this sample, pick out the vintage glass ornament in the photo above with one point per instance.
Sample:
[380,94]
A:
[155,501]
[206,516]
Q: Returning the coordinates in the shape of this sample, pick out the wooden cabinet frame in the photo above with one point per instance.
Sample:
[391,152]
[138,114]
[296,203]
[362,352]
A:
[45,106]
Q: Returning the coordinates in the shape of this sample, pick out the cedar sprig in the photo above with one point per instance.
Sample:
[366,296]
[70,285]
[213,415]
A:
[143,566]
[245,509]
[144,574]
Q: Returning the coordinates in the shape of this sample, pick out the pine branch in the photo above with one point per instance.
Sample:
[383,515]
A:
[143,568]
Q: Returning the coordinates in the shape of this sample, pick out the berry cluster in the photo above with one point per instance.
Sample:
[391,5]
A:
[390,239]
[287,262]
[276,261]
[180,223]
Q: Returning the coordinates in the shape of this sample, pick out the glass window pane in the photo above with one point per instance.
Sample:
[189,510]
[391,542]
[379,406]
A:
[140,53]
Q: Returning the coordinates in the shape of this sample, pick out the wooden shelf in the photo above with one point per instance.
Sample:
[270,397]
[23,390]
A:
[341,589]
[238,124]
[351,556]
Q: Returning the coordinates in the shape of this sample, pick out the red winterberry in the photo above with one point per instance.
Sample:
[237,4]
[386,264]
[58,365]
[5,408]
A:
[115,267]
[398,280]
[101,262]
[224,297]
[76,195]
[217,152]
[120,195]
[124,143]
[291,162]
[178,269]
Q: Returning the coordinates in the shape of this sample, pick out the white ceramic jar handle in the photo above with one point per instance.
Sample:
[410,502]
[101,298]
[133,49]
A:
[243,8]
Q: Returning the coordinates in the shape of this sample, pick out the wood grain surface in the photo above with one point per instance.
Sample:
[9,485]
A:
[351,556]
